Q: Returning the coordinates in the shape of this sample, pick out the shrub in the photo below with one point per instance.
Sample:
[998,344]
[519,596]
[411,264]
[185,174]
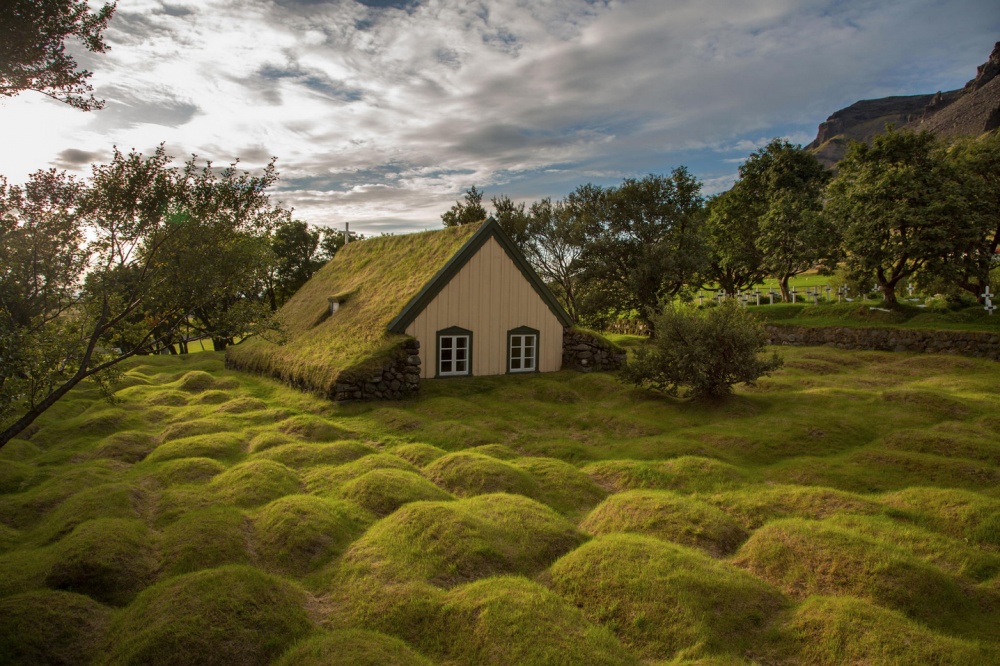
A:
[702,352]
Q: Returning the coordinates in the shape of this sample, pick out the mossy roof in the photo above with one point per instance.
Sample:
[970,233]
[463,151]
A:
[374,280]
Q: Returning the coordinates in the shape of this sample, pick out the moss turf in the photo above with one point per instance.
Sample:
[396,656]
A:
[846,510]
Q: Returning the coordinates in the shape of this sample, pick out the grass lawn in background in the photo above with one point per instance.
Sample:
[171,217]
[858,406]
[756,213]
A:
[844,510]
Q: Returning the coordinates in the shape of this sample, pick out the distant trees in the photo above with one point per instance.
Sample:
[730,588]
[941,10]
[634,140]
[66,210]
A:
[94,272]
[902,208]
[470,212]
[33,56]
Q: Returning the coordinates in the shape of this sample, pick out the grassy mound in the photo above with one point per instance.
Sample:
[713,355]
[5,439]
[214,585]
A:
[510,621]
[844,630]
[949,445]
[312,429]
[241,405]
[267,440]
[185,470]
[230,615]
[205,539]
[684,474]
[16,476]
[25,508]
[498,451]
[754,506]
[382,491]
[418,454]
[561,485]
[109,500]
[467,474]
[212,397]
[225,446]
[352,647]
[129,446]
[299,533]
[327,479]
[49,627]
[159,397]
[959,513]
[448,543]
[308,455]
[194,427]
[807,557]
[198,381]
[668,516]
[256,482]
[109,559]
[663,600]
[408,610]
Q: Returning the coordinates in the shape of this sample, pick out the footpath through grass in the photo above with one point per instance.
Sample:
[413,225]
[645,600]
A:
[846,510]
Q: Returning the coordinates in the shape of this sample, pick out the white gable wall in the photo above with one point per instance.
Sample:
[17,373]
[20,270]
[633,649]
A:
[488,296]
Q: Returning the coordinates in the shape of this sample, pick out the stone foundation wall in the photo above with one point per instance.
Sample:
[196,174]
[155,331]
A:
[396,380]
[964,343]
[585,353]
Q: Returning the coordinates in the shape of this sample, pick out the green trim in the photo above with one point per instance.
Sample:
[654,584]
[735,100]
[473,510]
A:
[452,330]
[489,229]
[524,330]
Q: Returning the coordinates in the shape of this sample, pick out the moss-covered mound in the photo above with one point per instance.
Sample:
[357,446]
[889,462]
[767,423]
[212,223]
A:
[808,557]
[844,630]
[511,621]
[752,507]
[256,482]
[109,500]
[197,381]
[668,516]
[418,454]
[684,474]
[50,627]
[374,279]
[312,429]
[191,428]
[498,451]
[561,485]
[300,455]
[242,405]
[204,539]
[448,543]
[267,440]
[467,474]
[327,479]
[299,533]
[185,470]
[960,513]
[663,600]
[382,491]
[109,559]
[352,647]
[128,446]
[230,615]
[226,446]
[408,610]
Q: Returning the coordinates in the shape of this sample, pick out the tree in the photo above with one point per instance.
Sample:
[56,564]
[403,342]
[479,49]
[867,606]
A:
[33,56]
[512,218]
[781,187]
[643,240]
[901,209]
[470,212]
[735,260]
[978,164]
[702,352]
[296,250]
[142,249]
[331,240]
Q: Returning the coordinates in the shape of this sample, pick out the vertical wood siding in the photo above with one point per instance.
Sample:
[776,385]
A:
[489,297]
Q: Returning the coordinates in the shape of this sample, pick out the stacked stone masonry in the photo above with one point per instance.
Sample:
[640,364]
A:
[395,381]
[964,343]
[586,353]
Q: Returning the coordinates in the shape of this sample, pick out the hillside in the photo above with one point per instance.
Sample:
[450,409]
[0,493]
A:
[846,510]
[971,110]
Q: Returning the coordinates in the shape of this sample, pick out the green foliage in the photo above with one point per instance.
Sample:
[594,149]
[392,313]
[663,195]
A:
[224,616]
[470,212]
[702,353]
[33,53]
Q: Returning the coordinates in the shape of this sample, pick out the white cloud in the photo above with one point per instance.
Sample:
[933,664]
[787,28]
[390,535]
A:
[383,115]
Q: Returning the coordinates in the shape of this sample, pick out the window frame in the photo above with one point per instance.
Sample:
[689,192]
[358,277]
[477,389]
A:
[453,332]
[523,331]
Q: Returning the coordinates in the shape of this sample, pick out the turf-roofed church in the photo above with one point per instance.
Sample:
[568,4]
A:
[386,312]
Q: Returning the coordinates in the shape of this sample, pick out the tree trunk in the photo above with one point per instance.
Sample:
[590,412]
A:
[786,294]
[18,426]
[220,344]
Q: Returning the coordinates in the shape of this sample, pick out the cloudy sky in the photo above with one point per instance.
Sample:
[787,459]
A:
[382,112]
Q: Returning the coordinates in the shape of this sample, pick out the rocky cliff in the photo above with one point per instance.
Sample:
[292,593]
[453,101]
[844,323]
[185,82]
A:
[971,110]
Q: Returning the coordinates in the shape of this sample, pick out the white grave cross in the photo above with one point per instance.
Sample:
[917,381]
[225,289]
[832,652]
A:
[989,307]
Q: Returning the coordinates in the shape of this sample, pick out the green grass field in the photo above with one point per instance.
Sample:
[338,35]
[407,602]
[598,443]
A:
[845,510]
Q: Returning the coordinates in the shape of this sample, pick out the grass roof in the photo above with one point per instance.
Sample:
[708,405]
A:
[373,279]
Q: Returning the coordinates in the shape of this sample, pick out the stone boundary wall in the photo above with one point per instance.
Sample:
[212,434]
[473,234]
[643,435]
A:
[964,343]
[396,380]
[585,353]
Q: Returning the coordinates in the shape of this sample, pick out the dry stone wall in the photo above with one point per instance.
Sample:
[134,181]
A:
[397,379]
[586,353]
[964,343]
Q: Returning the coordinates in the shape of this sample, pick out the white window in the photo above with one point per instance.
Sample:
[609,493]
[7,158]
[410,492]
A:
[523,352]
[453,355]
